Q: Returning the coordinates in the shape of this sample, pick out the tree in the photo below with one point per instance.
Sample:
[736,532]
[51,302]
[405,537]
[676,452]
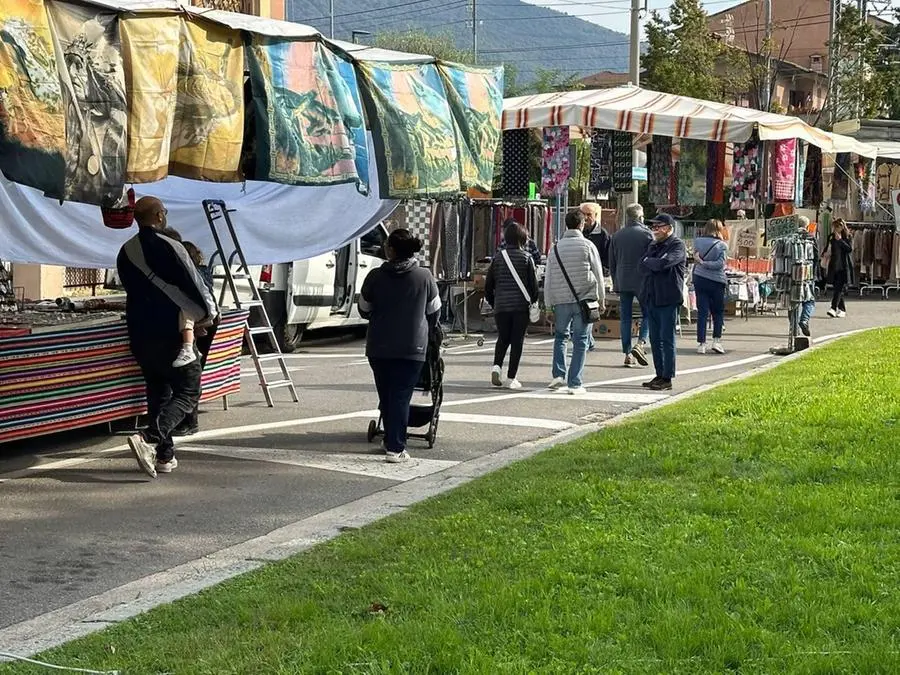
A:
[887,68]
[859,87]
[416,41]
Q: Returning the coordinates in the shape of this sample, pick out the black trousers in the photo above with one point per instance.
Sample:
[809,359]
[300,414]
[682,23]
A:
[395,380]
[204,343]
[172,393]
[511,329]
[840,283]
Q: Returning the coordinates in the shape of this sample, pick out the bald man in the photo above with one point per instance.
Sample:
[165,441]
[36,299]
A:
[161,282]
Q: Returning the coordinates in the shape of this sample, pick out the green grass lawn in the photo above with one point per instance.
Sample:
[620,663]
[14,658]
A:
[754,528]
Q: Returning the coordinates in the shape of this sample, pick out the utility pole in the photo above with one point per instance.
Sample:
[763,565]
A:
[635,75]
[832,66]
[475,30]
[331,13]
[767,94]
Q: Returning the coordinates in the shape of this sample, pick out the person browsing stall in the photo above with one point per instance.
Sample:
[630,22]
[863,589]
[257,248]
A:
[710,282]
[627,248]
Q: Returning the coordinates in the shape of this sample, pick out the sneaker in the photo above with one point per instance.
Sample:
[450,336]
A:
[514,384]
[841,314]
[649,385]
[496,379]
[557,383]
[661,385]
[577,391]
[144,453]
[396,457]
[804,328]
[640,354]
[167,467]
[630,361]
[701,349]
[185,357]
[832,313]
[717,347]
[185,429]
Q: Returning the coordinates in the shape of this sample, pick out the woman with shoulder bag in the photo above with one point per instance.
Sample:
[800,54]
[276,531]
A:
[511,288]
[839,250]
[710,254]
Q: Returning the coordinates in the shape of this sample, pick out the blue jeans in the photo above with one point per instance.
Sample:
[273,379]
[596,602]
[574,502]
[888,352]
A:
[710,299]
[569,316]
[807,309]
[626,309]
[395,380]
[663,321]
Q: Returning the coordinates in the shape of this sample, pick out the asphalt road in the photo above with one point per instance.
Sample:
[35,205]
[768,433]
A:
[78,519]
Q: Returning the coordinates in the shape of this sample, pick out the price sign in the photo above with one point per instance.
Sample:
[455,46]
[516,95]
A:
[747,238]
[776,228]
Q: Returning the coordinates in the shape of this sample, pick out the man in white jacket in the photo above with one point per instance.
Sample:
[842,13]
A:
[574,275]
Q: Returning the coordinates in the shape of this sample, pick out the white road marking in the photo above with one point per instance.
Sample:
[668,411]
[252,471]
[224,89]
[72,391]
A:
[354,355]
[271,371]
[604,396]
[504,421]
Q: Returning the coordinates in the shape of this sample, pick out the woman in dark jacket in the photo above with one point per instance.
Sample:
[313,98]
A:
[400,299]
[511,304]
[840,266]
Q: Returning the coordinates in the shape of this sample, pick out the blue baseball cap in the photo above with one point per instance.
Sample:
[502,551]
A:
[662,219]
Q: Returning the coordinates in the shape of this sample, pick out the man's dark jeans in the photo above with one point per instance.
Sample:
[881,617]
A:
[172,393]
[395,380]
[663,322]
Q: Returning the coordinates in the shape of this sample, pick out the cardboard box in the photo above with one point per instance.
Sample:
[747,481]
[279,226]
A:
[612,329]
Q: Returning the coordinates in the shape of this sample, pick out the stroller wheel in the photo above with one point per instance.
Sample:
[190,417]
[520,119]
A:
[480,342]
[429,438]
[373,431]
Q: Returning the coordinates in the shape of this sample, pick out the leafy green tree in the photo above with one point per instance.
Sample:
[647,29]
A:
[416,41]
[860,86]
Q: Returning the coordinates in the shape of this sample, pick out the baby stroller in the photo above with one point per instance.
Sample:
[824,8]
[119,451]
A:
[431,382]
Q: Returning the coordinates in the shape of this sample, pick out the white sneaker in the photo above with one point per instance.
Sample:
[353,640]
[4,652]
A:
[717,347]
[577,391]
[557,383]
[841,314]
[167,467]
[185,357]
[514,384]
[701,349]
[833,314]
[396,457]
[496,377]
[144,453]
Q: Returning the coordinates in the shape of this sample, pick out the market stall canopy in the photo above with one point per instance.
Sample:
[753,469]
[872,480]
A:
[888,149]
[642,111]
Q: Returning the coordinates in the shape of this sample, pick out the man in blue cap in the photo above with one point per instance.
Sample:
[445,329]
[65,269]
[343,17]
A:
[662,294]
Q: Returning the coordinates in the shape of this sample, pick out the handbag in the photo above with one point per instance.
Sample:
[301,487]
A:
[590,309]
[534,312]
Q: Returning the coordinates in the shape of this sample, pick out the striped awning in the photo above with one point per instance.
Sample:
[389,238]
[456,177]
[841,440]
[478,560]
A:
[642,111]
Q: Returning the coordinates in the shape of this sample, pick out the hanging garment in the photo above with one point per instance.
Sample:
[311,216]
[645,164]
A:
[660,170]
[715,173]
[812,177]
[555,161]
[601,180]
[867,186]
[800,174]
[89,57]
[784,166]
[692,173]
[32,117]
[623,162]
[515,163]
[883,172]
[745,175]
[840,181]
[475,96]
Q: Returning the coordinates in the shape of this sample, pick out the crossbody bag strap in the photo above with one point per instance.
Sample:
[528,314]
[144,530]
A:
[515,275]
[565,274]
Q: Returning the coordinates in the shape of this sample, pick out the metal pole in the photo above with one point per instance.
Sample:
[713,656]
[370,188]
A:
[767,94]
[475,30]
[832,69]
[331,13]
[635,74]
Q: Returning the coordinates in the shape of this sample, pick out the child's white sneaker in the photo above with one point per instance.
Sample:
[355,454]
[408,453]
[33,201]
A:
[185,357]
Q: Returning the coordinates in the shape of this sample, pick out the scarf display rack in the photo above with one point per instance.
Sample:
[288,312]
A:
[794,272]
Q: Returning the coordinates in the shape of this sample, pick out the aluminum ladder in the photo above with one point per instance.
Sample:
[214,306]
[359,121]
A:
[236,269]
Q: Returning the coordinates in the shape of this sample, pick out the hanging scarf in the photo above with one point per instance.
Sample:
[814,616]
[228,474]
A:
[623,160]
[660,170]
[784,160]
[692,173]
[840,183]
[745,174]
[715,173]
[515,163]
[555,161]
[601,163]
[799,174]
[812,177]
[867,187]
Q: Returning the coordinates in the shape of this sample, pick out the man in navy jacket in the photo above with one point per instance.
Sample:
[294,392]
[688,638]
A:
[662,294]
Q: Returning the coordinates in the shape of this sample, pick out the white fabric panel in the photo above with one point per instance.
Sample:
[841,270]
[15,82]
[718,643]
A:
[275,223]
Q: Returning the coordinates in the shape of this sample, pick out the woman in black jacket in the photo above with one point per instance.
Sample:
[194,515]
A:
[400,299]
[840,266]
[510,288]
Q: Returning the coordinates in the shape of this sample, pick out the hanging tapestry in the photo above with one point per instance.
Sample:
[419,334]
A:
[305,114]
[93,87]
[186,98]
[623,161]
[555,161]
[800,173]
[412,128]
[812,177]
[475,96]
[32,117]
[357,132]
[515,163]
[866,185]
[745,175]
[692,173]
[715,173]
[659,173]
[784,164]
[601,180]
[840,180]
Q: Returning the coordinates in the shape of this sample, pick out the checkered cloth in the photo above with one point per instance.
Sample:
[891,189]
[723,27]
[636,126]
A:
[414,216]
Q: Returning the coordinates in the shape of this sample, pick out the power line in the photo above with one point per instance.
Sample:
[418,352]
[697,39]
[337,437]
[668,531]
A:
[590,45]
[408,3]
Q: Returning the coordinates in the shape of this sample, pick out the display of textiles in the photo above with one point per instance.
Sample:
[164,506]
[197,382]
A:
[88,53]
[812,177]
[555,161]
[784,167]
[867,186]
[745,175]
[623,161]
[715,173]
[840,182]
[307,116]
[32,112]
[659,173]
[794,268]
[692,173]
[413,130]
[452,245]
[515,163]
[475,96]
[800,174]
[600,183]
[888,179]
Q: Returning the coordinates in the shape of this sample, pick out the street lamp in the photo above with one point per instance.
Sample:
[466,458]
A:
[356,33]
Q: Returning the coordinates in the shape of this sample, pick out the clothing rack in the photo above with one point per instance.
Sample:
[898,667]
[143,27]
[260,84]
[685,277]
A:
[871,285]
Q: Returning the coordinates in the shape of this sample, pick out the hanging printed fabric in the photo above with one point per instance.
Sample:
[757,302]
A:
[412,128]
[745,175]
[555,161]
[186,98]
[784,160]
[659,173]
[840,183]
[715,173]
[306,117]
[515,163]
[692,173]
[800,173]
[812,177]
[475,96]
[623,161]
[601,180]
[866,185]
[93,86]
[32,117]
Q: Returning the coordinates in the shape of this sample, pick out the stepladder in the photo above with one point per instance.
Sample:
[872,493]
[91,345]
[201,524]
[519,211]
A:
[271,367]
